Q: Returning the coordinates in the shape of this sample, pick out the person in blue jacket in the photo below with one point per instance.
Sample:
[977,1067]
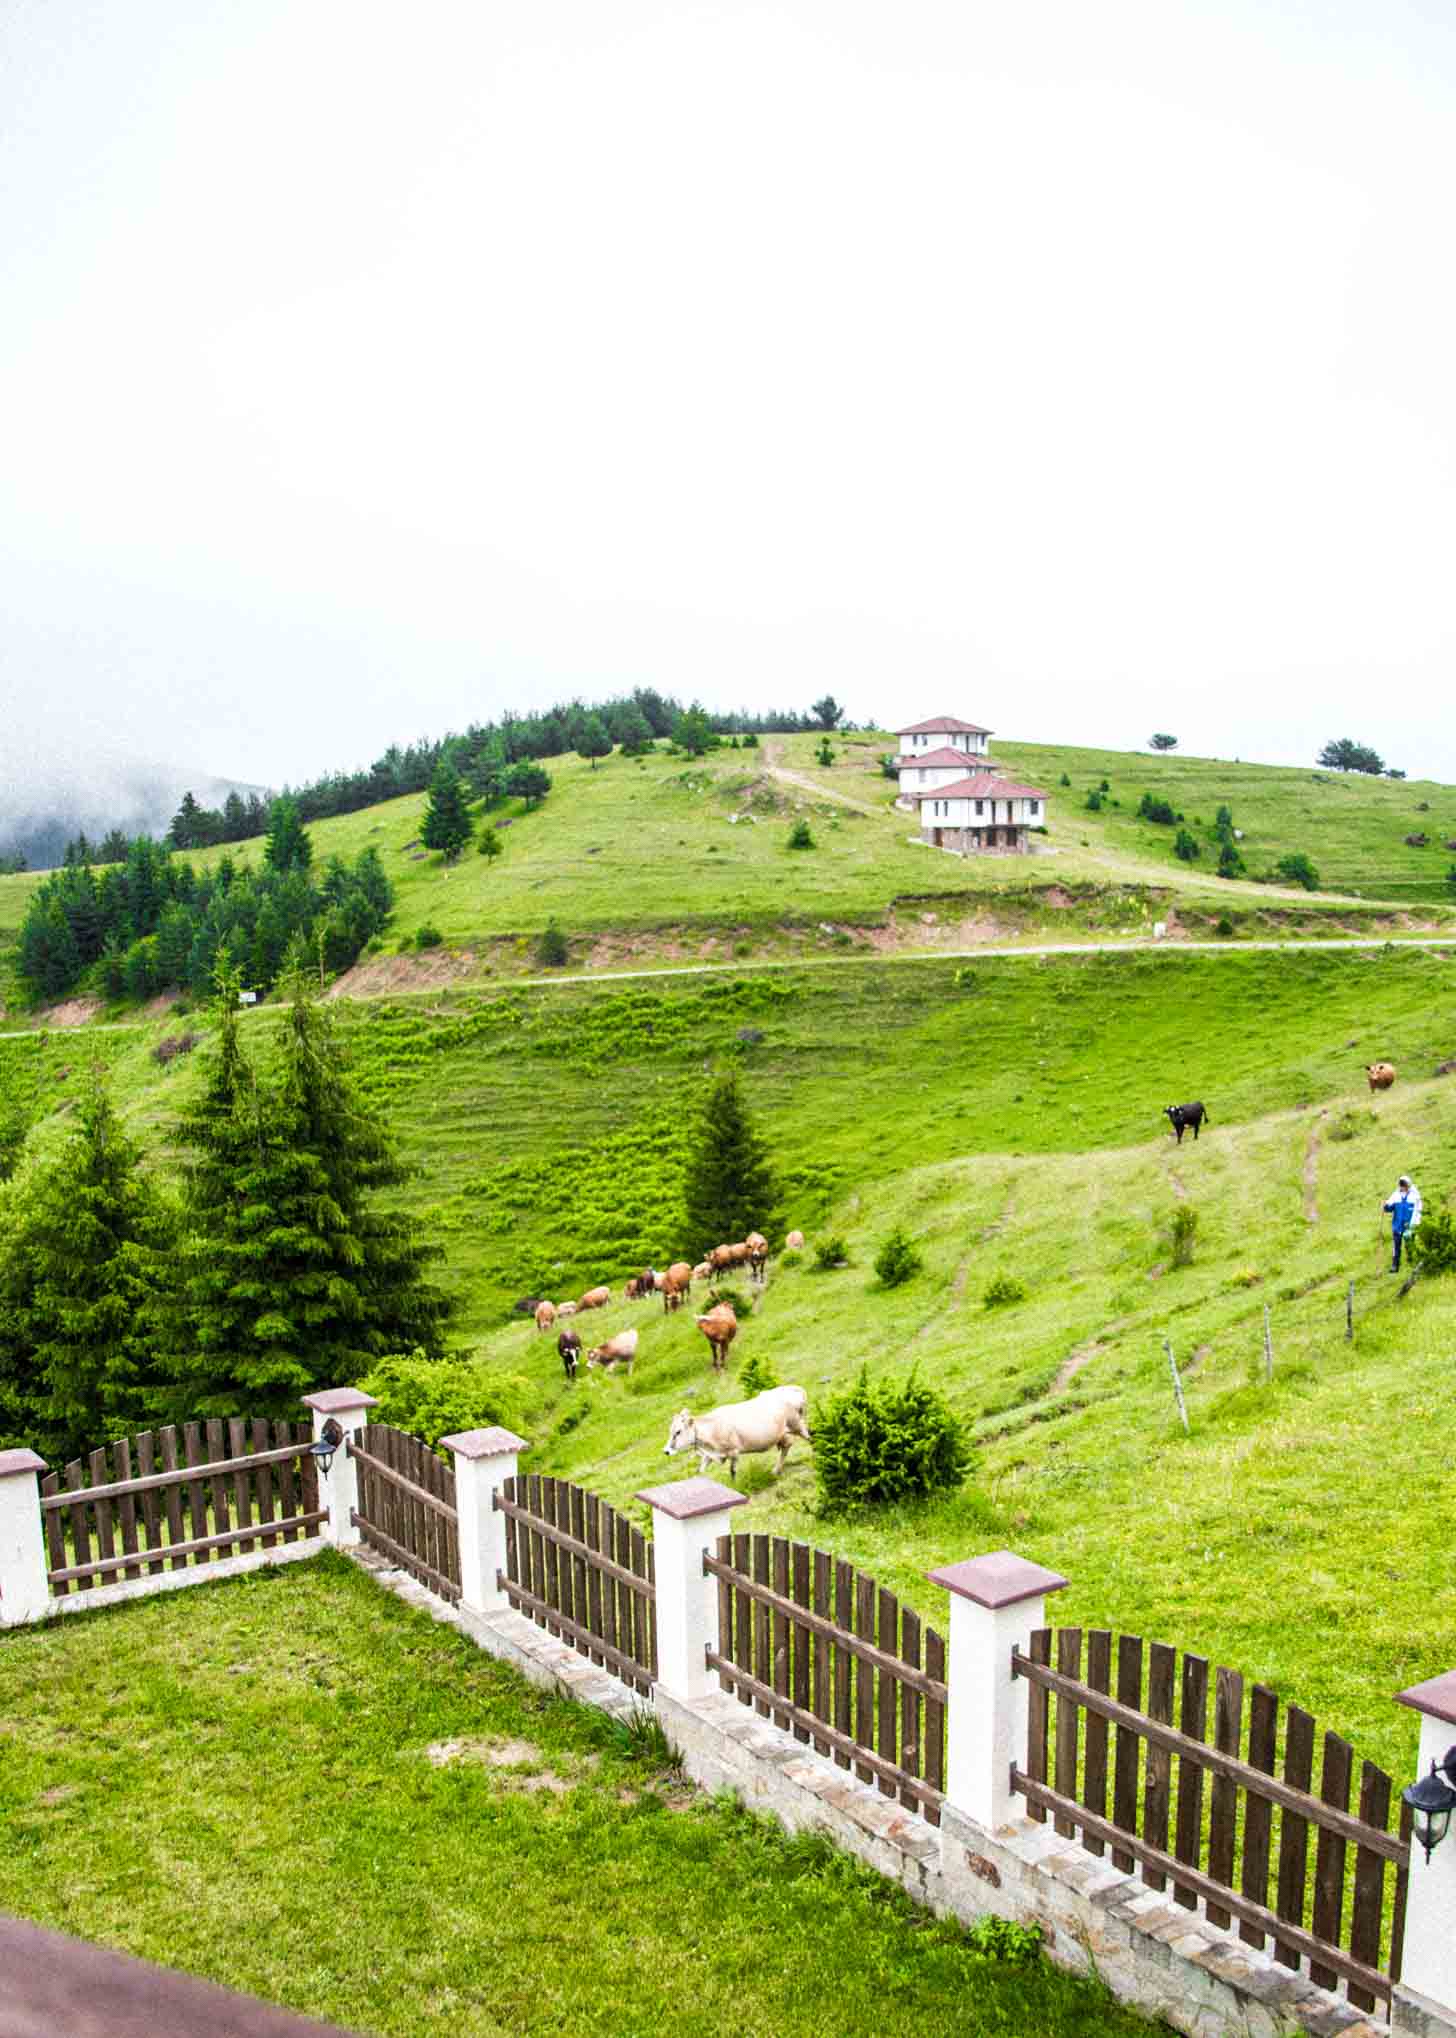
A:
[1405,1214]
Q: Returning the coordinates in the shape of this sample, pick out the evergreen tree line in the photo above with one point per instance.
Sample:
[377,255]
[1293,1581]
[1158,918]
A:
[153,922]
[258,1270]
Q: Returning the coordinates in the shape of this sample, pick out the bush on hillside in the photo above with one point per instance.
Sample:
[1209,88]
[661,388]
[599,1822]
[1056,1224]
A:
[757,1375]
[825,753]
[897,1260]
[1093,802]
[790,1257]
[431,1398]
[1181,1235]
[1432,1245]
[1225,927]
[490,844]
[1350,1124]
[428,936]
[1230,863]
[829,1254]
[738,1302]
[878,1445]
[1003,1290]
[801,836]
[1185,846]
[1297,870]
[1064,780]
[888,768]
[552,947]
[750,741]
[1160,811]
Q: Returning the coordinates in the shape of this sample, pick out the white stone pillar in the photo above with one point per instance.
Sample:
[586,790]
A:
[25,1592]
[484,1460]
[995,1603]
[1425,1996]
[349,1407]
[688,1517]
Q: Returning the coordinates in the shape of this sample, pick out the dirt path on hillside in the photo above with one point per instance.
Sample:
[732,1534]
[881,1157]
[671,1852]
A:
[1311,1170]
[803,783]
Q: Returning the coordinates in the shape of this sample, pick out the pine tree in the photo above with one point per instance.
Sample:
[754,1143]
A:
[730,1186]
[287,846]
[633,733]
[592,739]
[186,831]
[447,824]
[87,1260]
[291,1278]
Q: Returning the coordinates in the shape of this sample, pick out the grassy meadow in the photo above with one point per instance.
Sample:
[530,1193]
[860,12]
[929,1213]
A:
[296,1785]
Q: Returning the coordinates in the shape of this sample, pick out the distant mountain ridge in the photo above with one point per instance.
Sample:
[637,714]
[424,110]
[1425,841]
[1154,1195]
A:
[40,814]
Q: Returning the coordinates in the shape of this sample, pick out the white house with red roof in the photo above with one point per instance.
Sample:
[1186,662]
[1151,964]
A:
[966,802]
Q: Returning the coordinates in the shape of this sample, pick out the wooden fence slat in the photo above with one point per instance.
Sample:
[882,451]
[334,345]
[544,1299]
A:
[611,1626]
[282,1480]
[1294,1830]
[242,1487]
[864,1682]
[823,1689]
[743,1615]
[1068,1724]
[934,1771]
[593,1539]
[1329,1864]
[170,1444]
[217,1486]
[803,1642]
[1162,1672]
[80,1529]
[1193,1721]
[575,1499]
[99,1465]
[1038,1709]
[1223,1801]
[1258,1812]
[1367,1912]
[1126,1745]
[912,1755]
[151,1504]
[1402,1886]
[843,1661]
[781,1673]
[549,1568]
[199,1522]
[885,1720]
[55,1532]
[308,1469]
[1094,1764]
[762,1638]
[126,1506]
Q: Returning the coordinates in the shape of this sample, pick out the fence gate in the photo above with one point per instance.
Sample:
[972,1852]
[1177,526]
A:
[823,1650]
[407,1506]
[583,1572]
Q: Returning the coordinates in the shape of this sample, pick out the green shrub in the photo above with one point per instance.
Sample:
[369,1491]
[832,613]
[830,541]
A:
[829,1254]
[879,1445]
[1093,802]
[1297,870]
[1432,1245]
[1160,811]
[1185,846]
[1064,780]
[801,836]
[1225,927]
[825,753]
[1181,1234]
[552,947]
[757,1375]
[738,1302]
[1002,1939]
[1002,1290]
[790,1257]
[1350,1124]
[897,1260]
[750,741]
[428,936]
[1230,863]
[431,1398]
[490,844]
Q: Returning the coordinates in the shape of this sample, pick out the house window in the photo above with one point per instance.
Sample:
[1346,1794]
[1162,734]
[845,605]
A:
[980,808]
[1033,806]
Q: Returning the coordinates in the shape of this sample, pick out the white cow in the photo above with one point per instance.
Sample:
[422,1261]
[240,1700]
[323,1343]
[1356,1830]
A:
[769,1422]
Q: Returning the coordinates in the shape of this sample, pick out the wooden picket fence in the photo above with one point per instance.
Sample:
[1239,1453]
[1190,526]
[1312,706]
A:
[582,1572]
[823,1650]
[173,1497]
[1101,1745]
[406,1506]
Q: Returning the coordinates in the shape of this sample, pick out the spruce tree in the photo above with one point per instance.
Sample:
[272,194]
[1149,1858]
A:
[592,740]
[287,846]
[447,824]
[291,1277]
[730,1186]
[87,1258]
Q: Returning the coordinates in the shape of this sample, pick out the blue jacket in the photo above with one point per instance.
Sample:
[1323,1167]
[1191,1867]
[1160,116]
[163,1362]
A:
[1402,1214]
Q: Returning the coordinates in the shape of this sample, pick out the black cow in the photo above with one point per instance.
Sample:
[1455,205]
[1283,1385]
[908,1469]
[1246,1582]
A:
[1183,1115]
[569,1346]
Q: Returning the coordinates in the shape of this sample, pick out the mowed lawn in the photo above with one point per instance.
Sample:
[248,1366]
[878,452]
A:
[298,1786]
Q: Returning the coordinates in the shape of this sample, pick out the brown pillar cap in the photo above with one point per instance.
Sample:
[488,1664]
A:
[484,1443]
[1436,1698]
[20,1461]
[1000,1579]
[338,1400]
[686,1498]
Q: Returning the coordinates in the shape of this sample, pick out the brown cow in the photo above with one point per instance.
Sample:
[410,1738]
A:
[719,1327]
[676,1285]
[620,1350]
[757,1246]
[545,1315]
[701,1271]
[565,1309]
[595,1298]
[796,1240]
[1380,1074]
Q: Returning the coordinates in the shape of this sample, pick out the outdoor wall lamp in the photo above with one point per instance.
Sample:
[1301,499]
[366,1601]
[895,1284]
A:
[1432,1801]
[331,1436]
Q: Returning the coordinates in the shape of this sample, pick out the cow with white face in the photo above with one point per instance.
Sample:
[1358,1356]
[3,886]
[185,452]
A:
[769,1422]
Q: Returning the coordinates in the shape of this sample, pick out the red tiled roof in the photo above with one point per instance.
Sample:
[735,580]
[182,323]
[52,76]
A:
[947,722]
[983,786]
[945,755]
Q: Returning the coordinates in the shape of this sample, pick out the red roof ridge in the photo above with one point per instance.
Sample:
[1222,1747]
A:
[982,786]
[950,722]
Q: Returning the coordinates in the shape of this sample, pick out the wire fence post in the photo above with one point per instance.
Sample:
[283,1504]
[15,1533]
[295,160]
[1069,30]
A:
[1177,1385]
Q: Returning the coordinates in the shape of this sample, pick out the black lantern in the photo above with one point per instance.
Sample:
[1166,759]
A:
[1432,1802]
[322,1449]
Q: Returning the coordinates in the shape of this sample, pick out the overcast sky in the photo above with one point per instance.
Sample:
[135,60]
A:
[1080,369]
